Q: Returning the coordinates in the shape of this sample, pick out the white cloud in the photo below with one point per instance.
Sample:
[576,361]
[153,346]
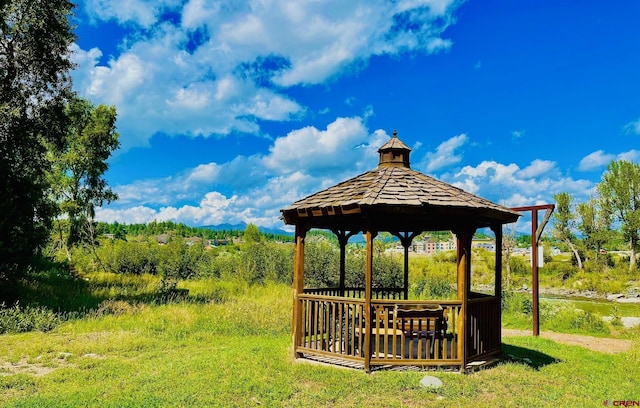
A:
[220,66]
[537,168]
[599,159]
[630,156]
[595,160]
[514,186]
[140,12]
[314,149]
[131,215]
[633,127]
[445,154]
[197,12]
[255,187]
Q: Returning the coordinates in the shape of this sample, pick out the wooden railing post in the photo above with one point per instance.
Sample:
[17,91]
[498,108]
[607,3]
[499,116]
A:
[298,289]
[369,236]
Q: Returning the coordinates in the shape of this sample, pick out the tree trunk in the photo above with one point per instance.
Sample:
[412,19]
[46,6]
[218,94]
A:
[632,258]
[507,265]
[575,253]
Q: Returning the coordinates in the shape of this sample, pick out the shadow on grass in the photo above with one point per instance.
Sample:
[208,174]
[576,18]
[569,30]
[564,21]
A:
[531,358]
[54,286]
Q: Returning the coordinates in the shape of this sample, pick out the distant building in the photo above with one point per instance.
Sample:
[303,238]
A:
[486,244]
[430,246]
[162,239]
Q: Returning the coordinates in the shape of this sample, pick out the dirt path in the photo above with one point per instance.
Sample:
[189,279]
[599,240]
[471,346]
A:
[603,345]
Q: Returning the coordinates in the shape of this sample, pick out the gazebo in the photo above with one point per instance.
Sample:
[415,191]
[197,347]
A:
[372,327]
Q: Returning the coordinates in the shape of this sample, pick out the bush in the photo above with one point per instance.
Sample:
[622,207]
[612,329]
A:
[262,262]
[517,302]
[321,262]
[18,319]
[576,320]
[437,287]
[435,279]
[563,270]
[131,257]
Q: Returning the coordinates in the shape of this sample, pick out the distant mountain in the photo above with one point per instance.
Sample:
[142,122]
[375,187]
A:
[242,226]
[226,226]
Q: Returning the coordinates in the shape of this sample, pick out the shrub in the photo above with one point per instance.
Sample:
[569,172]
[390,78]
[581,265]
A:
[437,287]
[261,262]
[435,278]
[321,262]
[131,257]
[18,319]
[517,302]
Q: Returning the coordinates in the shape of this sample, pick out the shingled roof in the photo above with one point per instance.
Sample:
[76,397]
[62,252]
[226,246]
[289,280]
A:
[394,196]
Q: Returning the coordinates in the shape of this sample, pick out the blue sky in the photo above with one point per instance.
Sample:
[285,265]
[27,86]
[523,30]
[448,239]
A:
[229,111]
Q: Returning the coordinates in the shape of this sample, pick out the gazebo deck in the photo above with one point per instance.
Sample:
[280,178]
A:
[334,329]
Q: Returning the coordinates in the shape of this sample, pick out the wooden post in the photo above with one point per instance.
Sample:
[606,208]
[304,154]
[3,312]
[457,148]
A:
[406,271]
[343,239]
[298,289]
[534,272]
[406,239]
[497,230]
[369,236]
[464,273]
[536,234]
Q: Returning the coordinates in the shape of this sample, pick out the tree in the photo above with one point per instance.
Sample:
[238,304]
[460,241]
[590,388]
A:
[508,243]
[252,233]
[35,39]
[620,191]
[79,166]
[594,223]
[565,224]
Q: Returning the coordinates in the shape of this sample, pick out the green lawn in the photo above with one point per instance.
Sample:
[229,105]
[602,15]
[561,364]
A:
[238,353]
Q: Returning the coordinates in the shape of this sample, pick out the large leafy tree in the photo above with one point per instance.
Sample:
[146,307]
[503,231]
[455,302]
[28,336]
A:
[594,221]
[79,166]
[620,191]
[35,36]
[565,224]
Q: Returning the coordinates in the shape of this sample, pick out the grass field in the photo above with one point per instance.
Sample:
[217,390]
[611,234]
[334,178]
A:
[230,346]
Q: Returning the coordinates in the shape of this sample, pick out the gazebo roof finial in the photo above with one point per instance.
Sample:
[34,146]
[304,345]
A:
[394,152]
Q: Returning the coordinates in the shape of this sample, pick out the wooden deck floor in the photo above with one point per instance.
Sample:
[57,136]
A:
[354,365]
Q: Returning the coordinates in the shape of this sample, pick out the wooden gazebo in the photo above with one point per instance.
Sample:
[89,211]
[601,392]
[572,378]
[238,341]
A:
[381,326]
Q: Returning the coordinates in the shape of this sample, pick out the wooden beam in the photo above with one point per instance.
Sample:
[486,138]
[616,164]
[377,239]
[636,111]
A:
[545,220]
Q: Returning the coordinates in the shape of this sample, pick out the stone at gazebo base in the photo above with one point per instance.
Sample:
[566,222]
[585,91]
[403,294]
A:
[431,382]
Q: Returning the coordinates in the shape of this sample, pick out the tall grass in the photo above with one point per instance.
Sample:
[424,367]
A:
[517,310]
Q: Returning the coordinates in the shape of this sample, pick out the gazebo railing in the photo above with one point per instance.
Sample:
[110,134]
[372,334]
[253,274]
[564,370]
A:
[336,327]
[358,293]
[483,334]
[415,340]
[332,326]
